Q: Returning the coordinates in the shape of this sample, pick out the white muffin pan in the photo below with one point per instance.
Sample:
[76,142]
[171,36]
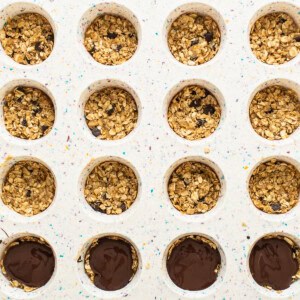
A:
[152,150]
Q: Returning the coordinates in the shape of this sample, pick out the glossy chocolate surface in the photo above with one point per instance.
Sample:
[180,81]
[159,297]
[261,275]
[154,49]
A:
[272,263]
[192,265]
[30,263]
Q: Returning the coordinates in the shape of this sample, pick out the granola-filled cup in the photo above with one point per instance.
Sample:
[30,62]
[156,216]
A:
[27,33]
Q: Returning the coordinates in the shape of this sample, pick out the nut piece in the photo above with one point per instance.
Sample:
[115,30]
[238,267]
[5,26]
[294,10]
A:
[194,113]
[194,188]
[27,38]
[28,188]
[275,112]
[194,39]
[111,40]
[274,186]
[111,188]
[275,38]
[111,113]
[28,113]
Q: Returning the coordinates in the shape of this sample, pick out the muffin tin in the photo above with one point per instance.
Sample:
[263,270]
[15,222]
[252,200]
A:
[152,149]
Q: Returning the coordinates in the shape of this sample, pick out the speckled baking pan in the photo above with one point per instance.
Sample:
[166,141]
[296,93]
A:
[152,150]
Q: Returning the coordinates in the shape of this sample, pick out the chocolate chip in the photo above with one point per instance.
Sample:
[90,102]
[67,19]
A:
[110,111]
[195,103]
[208,36]
[131,35]
[270,111]
[24,122]
[112,35]
[96,132]
[297,38]
[28,193]
[209,109]
[38,46]
[193,93]
[123,207]
[194,42]
[276,206]
[119,47]
[202,199]
[194,58]
[50,38]
[200,122]
[21,89]
[96,206]
[104,196]
[282,20]
[36,111]
[44,128]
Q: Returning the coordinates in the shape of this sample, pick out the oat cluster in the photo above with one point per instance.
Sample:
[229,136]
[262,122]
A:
[194,39]
[27,38]
[111,40]
[111,113]
[194,113]
[275,112]
[28,113]
[194,188]
[95,242]
[15,283]
[275,38]
[111,188]
[28,188]
[274,186]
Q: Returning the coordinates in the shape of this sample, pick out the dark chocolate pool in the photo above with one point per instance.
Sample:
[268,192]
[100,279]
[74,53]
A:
[30,263]
[273,263]
[113,262]
[193,264]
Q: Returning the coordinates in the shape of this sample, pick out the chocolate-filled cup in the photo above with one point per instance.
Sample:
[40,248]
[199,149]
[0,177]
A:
[274,262]
[193,263]
[111,263]
[28,263]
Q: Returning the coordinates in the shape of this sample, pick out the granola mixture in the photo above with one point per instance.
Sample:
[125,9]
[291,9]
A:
[28,188]
[274,186]
[111,40]
[111,113]
[111,188]
[194,113]
[194,188]
[28,113]
[194,39]
[15,283]
[87,267]
[275,112]
[27,38]
[275,38]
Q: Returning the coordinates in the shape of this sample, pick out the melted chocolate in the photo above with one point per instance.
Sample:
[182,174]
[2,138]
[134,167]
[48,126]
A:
[192,265]
[30,263]
[111,261]
[272,263]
